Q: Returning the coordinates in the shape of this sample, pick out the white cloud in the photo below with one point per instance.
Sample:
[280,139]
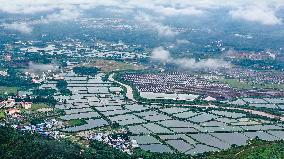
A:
[153,22]
[19,27]
[67,14]
[161,55]
[190,63]
[182,41]
[164,30]
[263,15]
[39,68]
[262,11]
[187,7]
[171,11]
[64,15]
[119,10]
[31,6]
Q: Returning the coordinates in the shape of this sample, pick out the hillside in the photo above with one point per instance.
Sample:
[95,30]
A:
[15,144]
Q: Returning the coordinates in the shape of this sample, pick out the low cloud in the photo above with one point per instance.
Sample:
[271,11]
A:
[25,7]
[154,23]
[39,68]
[161,55]
[164,30]
[119,10]
[63,15]
[262,11]
[259,14]
[60,16]
[171,11]
[212,64]
[19,27]
[182,41]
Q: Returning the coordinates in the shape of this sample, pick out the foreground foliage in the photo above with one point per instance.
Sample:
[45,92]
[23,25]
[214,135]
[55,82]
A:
[15,144]
[257,149]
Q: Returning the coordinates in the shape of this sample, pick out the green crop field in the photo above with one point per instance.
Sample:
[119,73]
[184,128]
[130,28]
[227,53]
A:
[8,90]
[76,122]
[235,83]
[38,106]
[2,114]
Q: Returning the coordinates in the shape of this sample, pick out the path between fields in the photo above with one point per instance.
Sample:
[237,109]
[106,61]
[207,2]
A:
[129,90]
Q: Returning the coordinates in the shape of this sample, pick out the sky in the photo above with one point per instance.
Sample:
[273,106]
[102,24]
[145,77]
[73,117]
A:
[260,11]
[150,12]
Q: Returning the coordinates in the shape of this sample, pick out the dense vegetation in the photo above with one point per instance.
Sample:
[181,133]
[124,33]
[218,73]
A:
[39,99]
[15,81]
[92,71]
[44,92]
[7,91]
[260,64]
[62,87]
[76,122]
[15,144]
[257,149]
[39,58]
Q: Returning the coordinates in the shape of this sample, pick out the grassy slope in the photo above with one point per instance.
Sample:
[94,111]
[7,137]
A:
[77,122]
[256,150]
[37,106]
[15,144]
[111,65]
[9,90]
[235,83]
[2,113]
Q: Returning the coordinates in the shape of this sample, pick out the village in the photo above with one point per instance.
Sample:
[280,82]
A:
[97,109]
[104,93]
[206,87]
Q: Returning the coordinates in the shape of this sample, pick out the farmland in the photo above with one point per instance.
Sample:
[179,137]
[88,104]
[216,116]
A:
[8,90]
[2,114]
[111,65]
[150,80]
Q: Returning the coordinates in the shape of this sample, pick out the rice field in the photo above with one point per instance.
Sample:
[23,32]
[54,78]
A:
[164,128]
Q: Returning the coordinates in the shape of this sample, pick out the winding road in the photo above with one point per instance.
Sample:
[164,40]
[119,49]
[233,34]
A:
[129,90]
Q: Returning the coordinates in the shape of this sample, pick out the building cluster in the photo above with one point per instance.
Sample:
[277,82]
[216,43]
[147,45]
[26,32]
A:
[213,87]
[3,73]
[11,104]
[120,143]
[46,128]
[257,77]
[75,48]
[180,83]
[263,55]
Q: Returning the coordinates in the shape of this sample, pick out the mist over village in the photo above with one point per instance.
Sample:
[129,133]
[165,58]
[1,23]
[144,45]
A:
[147,79]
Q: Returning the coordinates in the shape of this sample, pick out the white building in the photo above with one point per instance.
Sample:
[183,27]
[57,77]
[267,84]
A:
[26,105]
